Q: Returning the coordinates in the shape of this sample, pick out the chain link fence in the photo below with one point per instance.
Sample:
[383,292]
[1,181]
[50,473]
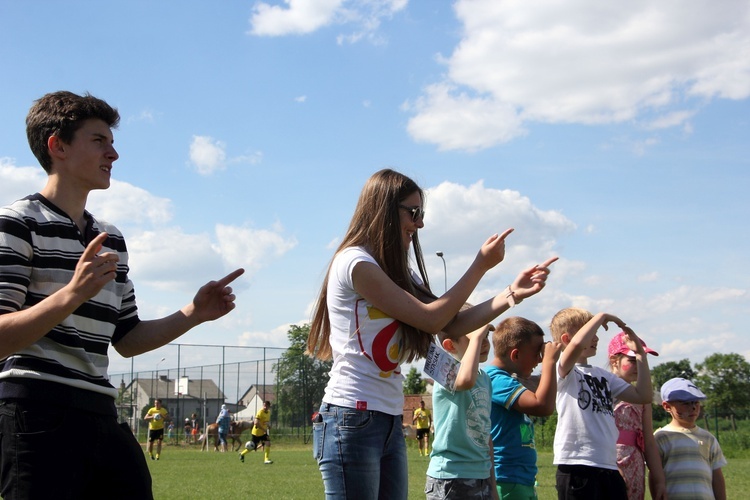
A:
[242,378]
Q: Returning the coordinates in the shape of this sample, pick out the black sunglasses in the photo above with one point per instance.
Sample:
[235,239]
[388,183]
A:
[417,212]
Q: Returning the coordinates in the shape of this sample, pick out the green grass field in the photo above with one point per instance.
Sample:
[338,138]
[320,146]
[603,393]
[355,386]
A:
[187,473]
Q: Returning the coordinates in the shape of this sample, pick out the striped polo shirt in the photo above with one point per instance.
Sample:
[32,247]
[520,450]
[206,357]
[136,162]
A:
[40,246]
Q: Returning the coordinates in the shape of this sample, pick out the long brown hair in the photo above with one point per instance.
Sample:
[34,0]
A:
[376,226]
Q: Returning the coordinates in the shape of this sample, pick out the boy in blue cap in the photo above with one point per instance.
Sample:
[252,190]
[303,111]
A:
[691,456]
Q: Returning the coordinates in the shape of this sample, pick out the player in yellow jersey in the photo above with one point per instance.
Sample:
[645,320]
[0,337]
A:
[261,425]
[423,419]
[156,417]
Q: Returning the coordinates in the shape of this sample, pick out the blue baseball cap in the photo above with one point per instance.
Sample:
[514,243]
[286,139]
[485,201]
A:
[681,389]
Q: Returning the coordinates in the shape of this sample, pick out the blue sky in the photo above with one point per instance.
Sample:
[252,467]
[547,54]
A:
[614,135]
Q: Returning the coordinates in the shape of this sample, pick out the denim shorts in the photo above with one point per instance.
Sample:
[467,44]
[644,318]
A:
[48,451]
[457,489]
[361,453]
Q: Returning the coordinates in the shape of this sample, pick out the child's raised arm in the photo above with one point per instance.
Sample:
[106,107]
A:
[582,339]
[641,392]
[542,402]
[469,370]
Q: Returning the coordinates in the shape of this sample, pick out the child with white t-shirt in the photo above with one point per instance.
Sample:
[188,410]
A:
[586,435]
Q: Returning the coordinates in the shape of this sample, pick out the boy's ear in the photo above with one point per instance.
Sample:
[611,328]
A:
[514,355]
[565,338]
[55,146]
[448,345]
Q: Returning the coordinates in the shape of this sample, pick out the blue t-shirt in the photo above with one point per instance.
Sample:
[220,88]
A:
[512,431]
[462,432]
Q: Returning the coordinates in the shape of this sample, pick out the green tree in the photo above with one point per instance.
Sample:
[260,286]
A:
[301,380]
[413,384]
[671,369]
[725,379]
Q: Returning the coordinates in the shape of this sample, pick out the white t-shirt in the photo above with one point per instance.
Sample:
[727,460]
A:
[586,432]
[366,344]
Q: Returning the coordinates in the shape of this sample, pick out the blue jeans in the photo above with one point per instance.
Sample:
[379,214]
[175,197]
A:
[361,454]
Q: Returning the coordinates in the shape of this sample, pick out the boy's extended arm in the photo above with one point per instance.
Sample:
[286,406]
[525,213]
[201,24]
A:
[213,300]
[718,485]
[582,339]
[469,370]
[542,402]
[641,392]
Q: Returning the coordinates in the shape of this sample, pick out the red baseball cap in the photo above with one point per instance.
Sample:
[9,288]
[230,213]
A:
[618,346]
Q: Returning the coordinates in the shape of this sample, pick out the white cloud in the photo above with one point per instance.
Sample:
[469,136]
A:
[695,348]
[277,337]
[461,218]
[19,181]
[300,17]
[159,258]
[301,98]
[460,121]
[146,115]
[116,204]
[648,277]
[687,298]
[582,62]
[207,154]
[676,119]
[251,248]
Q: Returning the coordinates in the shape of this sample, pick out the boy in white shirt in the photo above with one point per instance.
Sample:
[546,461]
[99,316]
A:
[585,439]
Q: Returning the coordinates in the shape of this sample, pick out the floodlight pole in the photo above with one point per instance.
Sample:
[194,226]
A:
[445,269]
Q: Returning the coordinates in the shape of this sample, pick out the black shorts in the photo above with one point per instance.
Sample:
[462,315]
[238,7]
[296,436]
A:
[421,433]
[582,482]
[260,439]
[155,434]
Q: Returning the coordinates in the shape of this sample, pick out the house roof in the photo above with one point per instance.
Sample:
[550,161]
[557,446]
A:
[265,392]
[164,388]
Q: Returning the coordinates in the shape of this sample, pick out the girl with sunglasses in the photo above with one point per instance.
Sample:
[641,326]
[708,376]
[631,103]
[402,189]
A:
[373,314]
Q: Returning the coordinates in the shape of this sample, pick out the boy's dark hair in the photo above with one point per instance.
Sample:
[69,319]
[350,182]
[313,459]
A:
[512,333]
[61,114]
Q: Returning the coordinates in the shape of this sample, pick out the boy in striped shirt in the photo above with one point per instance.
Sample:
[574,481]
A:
[65,297]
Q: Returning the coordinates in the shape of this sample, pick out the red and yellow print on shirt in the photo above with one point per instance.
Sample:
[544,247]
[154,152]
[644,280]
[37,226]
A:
[379,338]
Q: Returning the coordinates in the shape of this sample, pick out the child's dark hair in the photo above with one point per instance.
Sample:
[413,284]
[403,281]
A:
[513,333]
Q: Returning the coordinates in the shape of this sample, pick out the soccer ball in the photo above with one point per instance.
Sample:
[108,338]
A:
[250,445]
[157,416]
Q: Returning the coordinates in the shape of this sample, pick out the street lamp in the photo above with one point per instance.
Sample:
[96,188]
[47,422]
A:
[445,269]
[157,377]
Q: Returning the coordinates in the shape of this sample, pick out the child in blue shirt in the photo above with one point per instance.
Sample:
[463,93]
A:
[519,347]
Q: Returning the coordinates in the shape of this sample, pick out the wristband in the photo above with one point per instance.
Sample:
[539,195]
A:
[511,296]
